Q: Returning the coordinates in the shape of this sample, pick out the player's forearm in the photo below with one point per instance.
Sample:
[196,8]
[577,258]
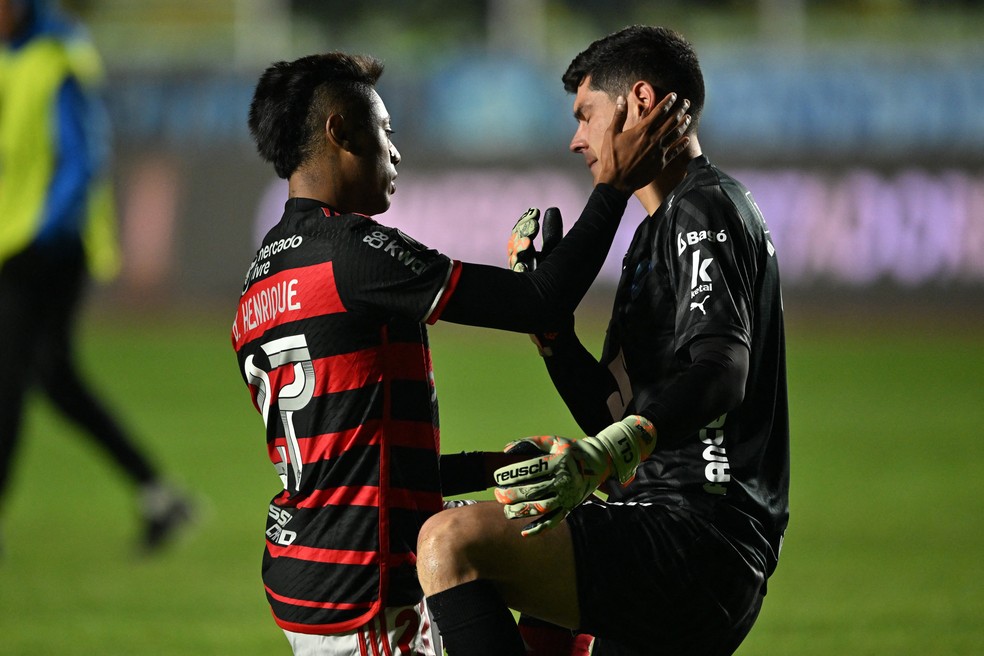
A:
[543,300]
[575,262]
[582,382]
[711,386]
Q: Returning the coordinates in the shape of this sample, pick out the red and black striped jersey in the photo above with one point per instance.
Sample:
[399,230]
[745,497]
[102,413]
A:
[331,342]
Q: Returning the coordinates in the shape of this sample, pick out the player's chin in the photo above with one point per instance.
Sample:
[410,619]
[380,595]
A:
[380,204]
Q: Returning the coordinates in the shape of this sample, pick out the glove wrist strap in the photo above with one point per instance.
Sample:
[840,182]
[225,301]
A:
[628,442]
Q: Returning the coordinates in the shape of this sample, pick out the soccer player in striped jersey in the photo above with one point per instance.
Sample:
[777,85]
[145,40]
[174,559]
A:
[696,465]
[330,336]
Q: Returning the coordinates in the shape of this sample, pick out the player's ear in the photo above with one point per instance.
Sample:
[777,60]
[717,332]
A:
[337,132]
[641,99]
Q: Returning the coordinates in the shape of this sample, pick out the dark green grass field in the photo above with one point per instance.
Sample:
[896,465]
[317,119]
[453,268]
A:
[883,555]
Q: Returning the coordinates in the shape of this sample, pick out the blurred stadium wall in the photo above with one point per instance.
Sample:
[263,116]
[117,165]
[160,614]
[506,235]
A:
[858,126]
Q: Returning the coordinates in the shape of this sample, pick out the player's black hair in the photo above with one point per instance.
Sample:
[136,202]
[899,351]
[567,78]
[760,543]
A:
[293,100]
[658,55]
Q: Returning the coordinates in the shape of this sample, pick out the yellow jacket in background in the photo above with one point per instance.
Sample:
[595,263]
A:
[30,79]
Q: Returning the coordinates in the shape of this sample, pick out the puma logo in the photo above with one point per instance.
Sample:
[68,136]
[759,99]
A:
[699,306]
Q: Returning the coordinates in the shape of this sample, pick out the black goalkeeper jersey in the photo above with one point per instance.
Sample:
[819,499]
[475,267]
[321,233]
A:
[704,266]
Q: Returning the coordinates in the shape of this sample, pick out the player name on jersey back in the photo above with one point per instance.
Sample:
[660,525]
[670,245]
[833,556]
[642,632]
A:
[287,296]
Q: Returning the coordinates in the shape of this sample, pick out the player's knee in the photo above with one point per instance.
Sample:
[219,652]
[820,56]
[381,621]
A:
[445,547]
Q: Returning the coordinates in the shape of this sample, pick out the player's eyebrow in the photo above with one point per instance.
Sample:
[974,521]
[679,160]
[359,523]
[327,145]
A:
[579,110]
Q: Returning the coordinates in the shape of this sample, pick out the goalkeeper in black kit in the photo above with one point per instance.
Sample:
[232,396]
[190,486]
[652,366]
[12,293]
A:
[696,465]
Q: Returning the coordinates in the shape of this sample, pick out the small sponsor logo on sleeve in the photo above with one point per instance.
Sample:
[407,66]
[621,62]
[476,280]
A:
[695,237]
[400,247]
[699,305]
[699,274]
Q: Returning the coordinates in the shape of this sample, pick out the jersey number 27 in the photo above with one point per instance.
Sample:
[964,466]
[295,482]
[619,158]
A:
[290,398]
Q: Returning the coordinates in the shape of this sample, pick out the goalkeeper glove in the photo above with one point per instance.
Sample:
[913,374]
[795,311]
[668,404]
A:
[520,250]
[522,255]
[549,486]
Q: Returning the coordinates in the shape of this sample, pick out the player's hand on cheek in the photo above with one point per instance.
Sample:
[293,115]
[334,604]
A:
[631,159]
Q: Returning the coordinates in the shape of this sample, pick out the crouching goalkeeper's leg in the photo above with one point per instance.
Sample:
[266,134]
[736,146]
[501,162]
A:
[474,565]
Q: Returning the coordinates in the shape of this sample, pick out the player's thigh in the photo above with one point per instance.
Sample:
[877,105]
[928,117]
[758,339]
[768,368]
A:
[39,294]
[403,631]
[21,311]
[533,574]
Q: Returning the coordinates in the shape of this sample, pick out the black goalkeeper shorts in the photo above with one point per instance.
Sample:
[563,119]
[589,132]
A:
[653,580]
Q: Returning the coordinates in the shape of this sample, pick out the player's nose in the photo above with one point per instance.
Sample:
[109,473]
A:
[578,142]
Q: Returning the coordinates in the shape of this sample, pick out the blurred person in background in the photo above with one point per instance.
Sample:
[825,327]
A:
[331,340]
[56,228]
[696,465]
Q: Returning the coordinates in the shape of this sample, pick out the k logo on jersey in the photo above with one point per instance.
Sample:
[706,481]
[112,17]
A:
[698,274]
[700,277]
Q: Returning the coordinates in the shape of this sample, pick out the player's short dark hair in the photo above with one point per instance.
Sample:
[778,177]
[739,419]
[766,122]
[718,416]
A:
[293,100]
[658,55]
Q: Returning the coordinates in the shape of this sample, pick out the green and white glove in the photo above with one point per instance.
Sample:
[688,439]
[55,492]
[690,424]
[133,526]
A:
[567,472]
[523,256]
[520,251]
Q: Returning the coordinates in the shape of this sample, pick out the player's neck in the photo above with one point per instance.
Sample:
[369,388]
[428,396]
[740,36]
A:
[312,182]
[652,195]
